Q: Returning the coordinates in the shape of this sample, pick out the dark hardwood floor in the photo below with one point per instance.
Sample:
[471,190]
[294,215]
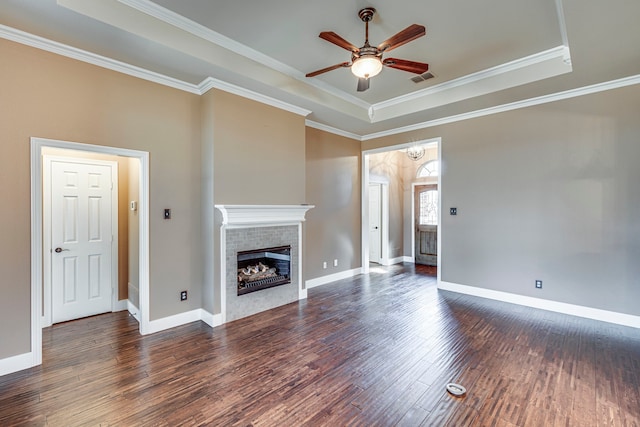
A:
[374,350]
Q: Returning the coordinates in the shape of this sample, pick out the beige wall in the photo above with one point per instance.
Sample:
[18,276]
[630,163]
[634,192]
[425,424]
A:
[547,192]
[332,229]
[49,96]
[258,158]
[258,152]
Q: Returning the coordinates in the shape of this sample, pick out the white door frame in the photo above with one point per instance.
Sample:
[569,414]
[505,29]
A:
[37,145]
[46,209]
[365,201]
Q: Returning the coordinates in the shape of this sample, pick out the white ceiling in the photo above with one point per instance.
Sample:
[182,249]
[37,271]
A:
[483,54]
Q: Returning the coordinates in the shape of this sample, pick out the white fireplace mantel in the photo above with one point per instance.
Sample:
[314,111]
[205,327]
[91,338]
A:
[262,215]
[243,219]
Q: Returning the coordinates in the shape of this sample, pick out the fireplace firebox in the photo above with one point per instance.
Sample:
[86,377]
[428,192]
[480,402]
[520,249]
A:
[263,268]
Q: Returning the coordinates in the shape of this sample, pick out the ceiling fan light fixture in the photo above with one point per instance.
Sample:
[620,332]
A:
[366,66]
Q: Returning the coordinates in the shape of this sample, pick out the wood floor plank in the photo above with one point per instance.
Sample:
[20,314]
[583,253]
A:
[372,350]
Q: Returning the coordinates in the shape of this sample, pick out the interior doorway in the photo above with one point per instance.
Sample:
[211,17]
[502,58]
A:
[38,148]
[401,174]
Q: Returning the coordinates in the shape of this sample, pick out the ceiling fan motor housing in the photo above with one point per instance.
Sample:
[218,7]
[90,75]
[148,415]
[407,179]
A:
[366,14]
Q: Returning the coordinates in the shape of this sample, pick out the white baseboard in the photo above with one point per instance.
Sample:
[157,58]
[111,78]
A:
[212,320]
[312,283]
[543,304]
[173,321]
[17,363]
[180,319]
[133,310]
[396,260]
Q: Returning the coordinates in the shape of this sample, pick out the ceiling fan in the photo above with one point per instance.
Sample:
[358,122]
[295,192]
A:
[366,61]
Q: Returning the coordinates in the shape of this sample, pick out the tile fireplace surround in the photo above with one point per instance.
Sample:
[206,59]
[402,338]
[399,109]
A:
[249,227]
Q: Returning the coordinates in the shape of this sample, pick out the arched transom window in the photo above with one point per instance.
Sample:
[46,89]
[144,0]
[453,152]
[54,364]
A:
[430,168]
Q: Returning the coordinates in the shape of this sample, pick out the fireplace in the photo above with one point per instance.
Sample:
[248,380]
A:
[263,268]
[277,229]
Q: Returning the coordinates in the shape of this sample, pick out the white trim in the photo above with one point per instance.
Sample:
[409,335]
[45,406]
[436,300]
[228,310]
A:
[185,24]
[47,159]
[543,304]
[544,99]
[37,145]
[38,42]
[17,363]
[222,271]
[563,29]
[210,83]
[133,310]
[528,61]
[331,129]
[134,71]
[364,215]
[180,319]
[396,260]
[319,281]
[174,320]
[22,37]
[212,320]
[262,215]
[36,251]
[535,67]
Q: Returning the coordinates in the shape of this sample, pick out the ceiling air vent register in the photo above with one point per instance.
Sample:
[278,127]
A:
[422,77]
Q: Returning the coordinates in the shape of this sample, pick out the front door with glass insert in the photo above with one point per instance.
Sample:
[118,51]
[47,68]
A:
[426,224]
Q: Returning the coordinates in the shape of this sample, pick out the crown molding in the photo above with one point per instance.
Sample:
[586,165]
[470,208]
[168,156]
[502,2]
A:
[513,73]
[38,42]
[331,129]
[41,43]
[185,24]
[211,83]
[544,99]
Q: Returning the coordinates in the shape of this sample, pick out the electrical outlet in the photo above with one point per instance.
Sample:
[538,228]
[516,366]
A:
[183,296]
[539,284]
[335,262]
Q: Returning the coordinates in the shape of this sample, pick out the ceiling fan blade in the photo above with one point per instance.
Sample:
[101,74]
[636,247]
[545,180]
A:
[410,33]
[331,68]
[332,37]
[404,65]
[363,84]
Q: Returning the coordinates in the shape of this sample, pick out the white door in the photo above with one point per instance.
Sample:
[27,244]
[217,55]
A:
[375,223]
[81,238]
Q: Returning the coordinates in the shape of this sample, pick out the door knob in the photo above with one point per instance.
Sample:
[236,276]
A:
[58,250]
